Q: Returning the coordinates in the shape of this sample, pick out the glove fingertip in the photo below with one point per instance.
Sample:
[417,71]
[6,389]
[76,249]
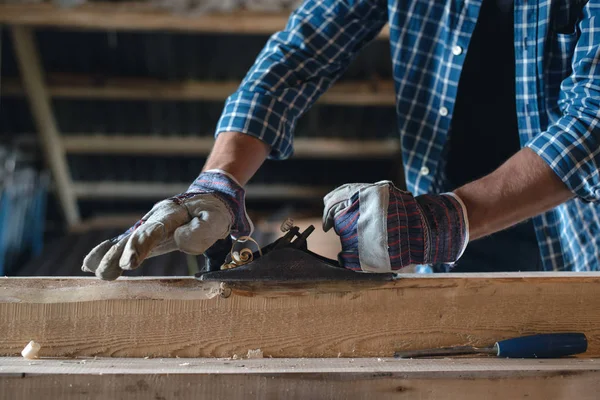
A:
[108,268]
[130,262]
[109,274]
[140,245]
[92,260]
[128,259]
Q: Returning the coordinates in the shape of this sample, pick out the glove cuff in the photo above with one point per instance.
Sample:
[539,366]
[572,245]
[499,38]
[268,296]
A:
[466,220]
[228,190]
[346,227]
[446,227]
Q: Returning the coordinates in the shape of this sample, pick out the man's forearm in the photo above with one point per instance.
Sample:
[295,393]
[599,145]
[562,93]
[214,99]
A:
[237,154]
[523,187]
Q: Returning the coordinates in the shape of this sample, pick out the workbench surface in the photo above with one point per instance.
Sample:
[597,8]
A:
[163,378]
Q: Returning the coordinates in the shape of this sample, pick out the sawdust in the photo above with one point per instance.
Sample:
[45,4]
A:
[255,354]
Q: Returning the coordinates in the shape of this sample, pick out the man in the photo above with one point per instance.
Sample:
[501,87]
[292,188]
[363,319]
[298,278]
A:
[497,101]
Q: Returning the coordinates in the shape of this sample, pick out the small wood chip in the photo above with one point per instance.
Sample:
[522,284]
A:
[31,350]
[255,354]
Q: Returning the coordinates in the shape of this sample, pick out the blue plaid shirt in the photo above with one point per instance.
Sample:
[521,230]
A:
[557,52]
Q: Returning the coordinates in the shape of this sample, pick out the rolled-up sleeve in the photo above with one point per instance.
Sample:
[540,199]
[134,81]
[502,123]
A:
[297,65]
[571,145]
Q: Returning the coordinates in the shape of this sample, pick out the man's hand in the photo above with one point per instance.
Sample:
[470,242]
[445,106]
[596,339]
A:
[211,209]
[384,229]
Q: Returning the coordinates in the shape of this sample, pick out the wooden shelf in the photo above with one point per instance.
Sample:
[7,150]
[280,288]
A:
[137,16]
[357,93]
[154,145]
[159,190]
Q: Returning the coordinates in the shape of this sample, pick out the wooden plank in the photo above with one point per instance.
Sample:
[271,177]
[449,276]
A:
[350,93]
[157,190]
[82,290]
[180,145]
[293,320]
[141,16]
[382,378]
[39,102]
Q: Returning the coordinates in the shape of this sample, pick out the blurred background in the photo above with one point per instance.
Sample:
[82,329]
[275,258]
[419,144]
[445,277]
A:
[107,107]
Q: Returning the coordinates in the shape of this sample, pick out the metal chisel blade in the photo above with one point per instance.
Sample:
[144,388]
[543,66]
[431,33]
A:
[445,351]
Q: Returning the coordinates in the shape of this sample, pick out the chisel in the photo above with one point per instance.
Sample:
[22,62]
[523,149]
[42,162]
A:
[551,345]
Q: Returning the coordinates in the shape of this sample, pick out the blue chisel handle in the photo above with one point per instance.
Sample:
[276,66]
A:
[551,345]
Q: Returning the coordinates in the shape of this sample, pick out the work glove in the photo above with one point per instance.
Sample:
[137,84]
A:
[212,208]
[384,229]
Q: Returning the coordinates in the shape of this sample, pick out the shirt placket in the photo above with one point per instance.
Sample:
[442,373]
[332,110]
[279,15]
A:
[528,35]
[526,60]
[453,56]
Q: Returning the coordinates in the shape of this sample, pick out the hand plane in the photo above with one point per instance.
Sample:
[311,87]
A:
[287,259]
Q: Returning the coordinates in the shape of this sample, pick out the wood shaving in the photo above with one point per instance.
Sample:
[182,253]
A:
[31,350]
[255,354]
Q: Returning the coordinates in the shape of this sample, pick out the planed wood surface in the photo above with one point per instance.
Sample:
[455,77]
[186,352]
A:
[83,290]
[381,378]
[187,318]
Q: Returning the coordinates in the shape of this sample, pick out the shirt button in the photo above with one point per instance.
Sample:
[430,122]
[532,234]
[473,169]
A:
[457,50]
[443,111]
[424,171]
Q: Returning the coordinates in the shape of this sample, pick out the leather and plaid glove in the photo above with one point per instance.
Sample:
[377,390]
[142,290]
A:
[212,208]
[384,229]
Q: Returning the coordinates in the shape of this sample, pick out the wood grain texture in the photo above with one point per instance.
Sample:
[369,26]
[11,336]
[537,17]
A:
[143,16]
[183,317]
[300,379]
